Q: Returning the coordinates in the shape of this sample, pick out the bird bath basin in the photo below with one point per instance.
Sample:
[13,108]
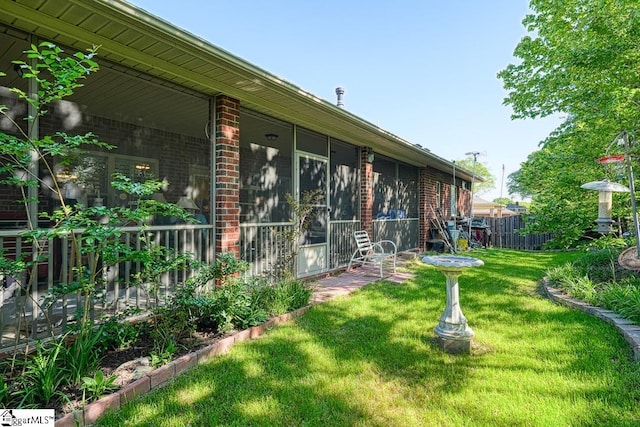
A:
[453,332]
[629,259]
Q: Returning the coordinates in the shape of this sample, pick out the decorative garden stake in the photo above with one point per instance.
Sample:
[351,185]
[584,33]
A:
[454,335]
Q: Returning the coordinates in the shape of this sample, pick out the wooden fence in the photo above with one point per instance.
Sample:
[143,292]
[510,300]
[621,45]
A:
[506,233]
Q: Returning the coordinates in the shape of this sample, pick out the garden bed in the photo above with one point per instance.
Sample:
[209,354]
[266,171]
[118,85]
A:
[119,359]
[135,376]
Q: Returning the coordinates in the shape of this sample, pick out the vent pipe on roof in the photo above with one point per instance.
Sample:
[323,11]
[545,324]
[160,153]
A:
[340,92]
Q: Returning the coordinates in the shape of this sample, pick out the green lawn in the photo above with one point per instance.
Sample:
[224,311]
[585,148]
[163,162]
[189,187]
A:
[368,360]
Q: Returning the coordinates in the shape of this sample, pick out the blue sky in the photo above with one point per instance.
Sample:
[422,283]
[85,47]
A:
[424,70]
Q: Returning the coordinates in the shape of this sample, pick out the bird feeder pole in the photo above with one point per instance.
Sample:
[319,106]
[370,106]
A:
[627,158]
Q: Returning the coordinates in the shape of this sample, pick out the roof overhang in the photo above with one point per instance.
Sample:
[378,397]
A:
[137,40]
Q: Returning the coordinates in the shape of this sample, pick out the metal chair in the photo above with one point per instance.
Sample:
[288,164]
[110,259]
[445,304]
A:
[373,253]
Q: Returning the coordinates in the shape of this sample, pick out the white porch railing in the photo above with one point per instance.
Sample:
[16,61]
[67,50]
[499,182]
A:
[23,320]
[261,245]
[342,242]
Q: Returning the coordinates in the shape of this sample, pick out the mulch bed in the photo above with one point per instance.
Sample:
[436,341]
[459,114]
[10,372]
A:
[124,362]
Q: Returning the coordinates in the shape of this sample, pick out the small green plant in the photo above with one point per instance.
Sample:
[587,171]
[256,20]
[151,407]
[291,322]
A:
[83,356]
[584,289]
[287,295]
[623,297]
[97,386]
[43,377]
[116,332]
[5,394]
[303,211]
[165,342]
[562,275]
[597,279]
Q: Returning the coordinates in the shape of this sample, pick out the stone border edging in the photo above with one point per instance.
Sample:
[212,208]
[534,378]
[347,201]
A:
[162,375]
[629,330]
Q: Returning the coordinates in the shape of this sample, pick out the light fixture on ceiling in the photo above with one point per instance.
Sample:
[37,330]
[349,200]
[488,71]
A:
[271,136]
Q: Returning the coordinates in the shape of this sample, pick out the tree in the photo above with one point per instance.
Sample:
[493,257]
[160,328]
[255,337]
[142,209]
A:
[94,232]
[503,200]
[480,170]
[581,58]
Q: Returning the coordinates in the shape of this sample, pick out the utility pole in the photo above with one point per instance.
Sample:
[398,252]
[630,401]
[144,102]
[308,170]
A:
[502,181]
[475,155]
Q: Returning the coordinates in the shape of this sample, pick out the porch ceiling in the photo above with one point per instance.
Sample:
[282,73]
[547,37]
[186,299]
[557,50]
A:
[140,42]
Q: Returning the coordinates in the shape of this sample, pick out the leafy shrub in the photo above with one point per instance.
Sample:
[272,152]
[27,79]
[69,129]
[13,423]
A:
[597,279]
[288,295]
[117,332]
[608,242]
[243,303]
[235,306]
[222,270]
[623,297]
[563,275]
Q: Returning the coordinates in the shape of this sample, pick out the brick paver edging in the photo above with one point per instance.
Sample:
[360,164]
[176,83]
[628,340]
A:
[629,330]
[161,376]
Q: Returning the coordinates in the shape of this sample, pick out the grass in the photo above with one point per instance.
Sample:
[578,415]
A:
[368,360]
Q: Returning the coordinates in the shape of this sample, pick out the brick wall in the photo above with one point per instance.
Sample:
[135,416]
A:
[427,200]
[174,152]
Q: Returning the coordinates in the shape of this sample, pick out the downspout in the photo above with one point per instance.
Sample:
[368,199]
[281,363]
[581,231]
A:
[455,203]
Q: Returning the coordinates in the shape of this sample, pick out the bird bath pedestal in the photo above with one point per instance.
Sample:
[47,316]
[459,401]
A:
[454,335]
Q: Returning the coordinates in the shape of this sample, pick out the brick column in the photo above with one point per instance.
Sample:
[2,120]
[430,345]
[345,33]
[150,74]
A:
[465,197]
[366,192]
[227,175]
[427,203]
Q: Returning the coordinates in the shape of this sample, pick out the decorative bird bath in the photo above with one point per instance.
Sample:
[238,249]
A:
[454,335]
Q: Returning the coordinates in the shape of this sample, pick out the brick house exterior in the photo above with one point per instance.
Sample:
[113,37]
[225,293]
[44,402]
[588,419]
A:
[154,107]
